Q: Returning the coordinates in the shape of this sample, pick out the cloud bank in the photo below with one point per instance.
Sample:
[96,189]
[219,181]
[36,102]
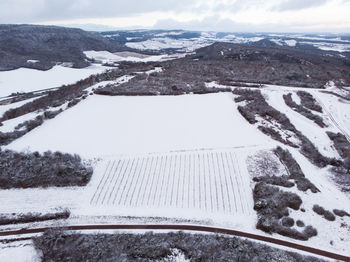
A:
[216,15]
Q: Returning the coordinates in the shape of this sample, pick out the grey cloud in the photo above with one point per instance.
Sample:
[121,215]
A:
[34,11]
[290,5]
[27,11]
[239,5]
[213,23]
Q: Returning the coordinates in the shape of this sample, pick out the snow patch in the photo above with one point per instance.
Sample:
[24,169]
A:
[112,58]
[290,42]
[32,61]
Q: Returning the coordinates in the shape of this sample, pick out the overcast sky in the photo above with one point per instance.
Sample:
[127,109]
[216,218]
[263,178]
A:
[211,15]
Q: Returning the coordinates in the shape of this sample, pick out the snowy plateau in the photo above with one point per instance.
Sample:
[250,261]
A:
[188,154]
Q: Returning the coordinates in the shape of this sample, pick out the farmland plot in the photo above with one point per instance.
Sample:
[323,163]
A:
[104,126]
[207,181]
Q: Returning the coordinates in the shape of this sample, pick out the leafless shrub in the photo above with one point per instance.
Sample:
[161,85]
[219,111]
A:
[7,219]
[56,245]
[323,212]
[303,110]
[21,170]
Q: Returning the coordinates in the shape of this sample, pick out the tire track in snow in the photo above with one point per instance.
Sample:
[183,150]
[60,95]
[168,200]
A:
[330,116]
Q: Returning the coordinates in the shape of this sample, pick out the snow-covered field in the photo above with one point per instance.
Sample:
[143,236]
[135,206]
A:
[177,157]
[105,126]
[187,183]
[338,47]
[195,185]
[27,80]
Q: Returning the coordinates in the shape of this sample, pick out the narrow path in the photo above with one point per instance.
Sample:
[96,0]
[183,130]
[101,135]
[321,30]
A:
[187,228]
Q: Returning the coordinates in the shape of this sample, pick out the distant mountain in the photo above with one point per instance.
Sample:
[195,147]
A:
[182,41]
[265,43]
[42,47]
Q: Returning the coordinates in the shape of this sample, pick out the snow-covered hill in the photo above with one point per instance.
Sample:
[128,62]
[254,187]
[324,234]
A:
[180,40]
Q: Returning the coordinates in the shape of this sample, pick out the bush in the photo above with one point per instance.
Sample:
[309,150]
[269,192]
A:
[27,126]
[256,105]
[300,223]
[295,171]
[21,170]
[347,163]
[73,102]
[303,111]
[6,138]
[57,245]
[32,217]
[310,231]
[341,144]
[272,206]
[247,114]
[31,124]
[274,180]
[52,114]
[308,101]
[340,213]
[287,221]
[277,200]
[322,212]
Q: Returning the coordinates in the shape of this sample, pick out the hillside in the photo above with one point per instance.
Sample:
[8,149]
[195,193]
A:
[184,41]
[266,62]
[42,47]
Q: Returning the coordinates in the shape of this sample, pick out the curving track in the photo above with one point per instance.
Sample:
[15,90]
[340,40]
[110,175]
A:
[187,228]
[335,123]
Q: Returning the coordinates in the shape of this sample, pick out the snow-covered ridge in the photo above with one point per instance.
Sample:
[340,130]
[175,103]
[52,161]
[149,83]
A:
[189,44]
[113,58]
[168,40]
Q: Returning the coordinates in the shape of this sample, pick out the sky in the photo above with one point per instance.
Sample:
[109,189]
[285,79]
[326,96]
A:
[331,16]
